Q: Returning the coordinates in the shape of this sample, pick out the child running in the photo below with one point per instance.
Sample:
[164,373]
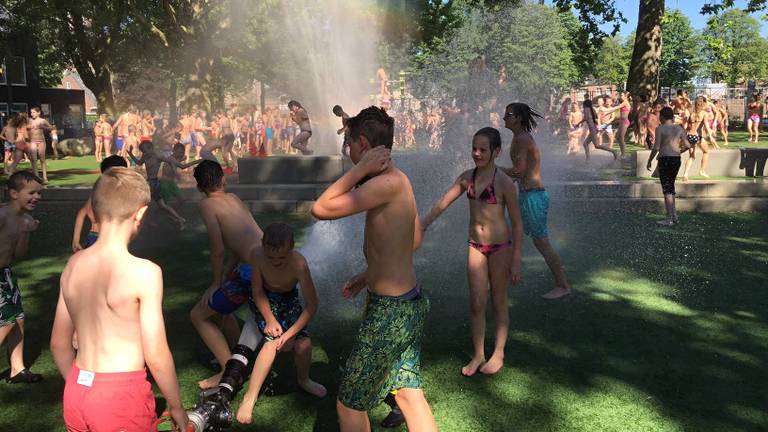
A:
[153,159]
[338,111]
[670,140]
[16,225]
[230,226]
[87,210]
[113,300]
[492,255]
[387,351]
[277,268]
[534,199]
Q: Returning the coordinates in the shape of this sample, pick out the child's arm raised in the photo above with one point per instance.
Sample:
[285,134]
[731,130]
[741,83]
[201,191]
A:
[310,302]
[78,231]
[154,343]
[273,328]
[339,200]
[453,193]
[61,335]
[216,244]
[513,209]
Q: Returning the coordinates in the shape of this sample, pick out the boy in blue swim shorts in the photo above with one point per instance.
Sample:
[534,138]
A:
[533,198]
[230,226]
[279,314]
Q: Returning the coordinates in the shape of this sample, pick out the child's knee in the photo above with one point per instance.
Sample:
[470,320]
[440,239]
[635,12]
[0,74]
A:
[302,345]
[408,397]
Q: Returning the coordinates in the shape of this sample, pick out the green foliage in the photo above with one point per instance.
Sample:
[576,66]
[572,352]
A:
[583,53]
[680,52]
[529,41]
[612,62]
[734,49]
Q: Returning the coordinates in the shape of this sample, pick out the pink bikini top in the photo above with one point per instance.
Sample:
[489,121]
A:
[624,109]
[488,195]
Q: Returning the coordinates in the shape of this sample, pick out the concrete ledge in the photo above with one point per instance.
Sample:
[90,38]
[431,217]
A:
[723,162]
[699,205]
[290,169]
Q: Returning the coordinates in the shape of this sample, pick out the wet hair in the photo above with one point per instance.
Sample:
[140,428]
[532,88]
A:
[18,120]
[178,146]
[19,179]
[375,125]
[118,193]
[666,113]
[209,176]
[131,128]
[277,235]
[294,103]
[35,108]
[111,162]
[493,135]
[338,110]
[527,115]
[680,92]
[146,144]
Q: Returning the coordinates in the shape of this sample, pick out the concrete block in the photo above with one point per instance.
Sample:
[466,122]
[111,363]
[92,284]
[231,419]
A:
[723,162]
[290,169]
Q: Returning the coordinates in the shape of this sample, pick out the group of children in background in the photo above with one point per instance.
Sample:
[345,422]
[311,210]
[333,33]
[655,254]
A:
[109,321]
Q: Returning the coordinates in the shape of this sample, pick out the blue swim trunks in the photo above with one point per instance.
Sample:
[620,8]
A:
[235,291]
[534,206]
[90,239]
[286,307]
[119,143]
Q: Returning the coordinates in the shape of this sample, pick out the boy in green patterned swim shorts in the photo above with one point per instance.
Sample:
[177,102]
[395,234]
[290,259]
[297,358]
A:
[386,353]
[16,225]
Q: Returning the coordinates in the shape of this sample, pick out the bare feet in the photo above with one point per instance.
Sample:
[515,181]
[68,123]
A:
[703,174]
[471,367]
[210,382]
[685,178]
[556,293]
[493,365]
[313,388]
[666,222]
[245,412]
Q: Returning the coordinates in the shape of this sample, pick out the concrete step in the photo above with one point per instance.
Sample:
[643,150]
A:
[291,169]
[722,162]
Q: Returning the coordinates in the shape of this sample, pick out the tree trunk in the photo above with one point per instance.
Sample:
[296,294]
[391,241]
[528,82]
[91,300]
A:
[101,86]
[646,55]
[197,93]
[173,110]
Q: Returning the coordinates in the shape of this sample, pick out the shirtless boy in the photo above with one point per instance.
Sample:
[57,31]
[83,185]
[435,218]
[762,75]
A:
[130,142]
[386,355]
[277,268]
[534,199]
[87,210]
[36,127]
[338,111]
[113,300]
[153,159]
[300,117]
[16,225]
[127,119]
[671,139]
[230,226]
[106,132]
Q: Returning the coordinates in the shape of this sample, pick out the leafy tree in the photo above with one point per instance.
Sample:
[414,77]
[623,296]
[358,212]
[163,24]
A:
[612,62]
[583,53]
[528,41]
[680,56]
[734,48]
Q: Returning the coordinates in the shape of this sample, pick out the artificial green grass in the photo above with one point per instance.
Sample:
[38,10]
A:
[666,330]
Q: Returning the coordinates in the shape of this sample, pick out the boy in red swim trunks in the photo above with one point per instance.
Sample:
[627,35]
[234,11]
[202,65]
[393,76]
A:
[113,300]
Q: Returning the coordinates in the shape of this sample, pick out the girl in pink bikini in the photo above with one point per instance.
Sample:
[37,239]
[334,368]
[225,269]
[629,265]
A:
[753,122]
[493,255]
[624,107]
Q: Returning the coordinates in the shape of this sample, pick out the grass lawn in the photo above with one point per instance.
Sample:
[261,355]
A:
[667,329]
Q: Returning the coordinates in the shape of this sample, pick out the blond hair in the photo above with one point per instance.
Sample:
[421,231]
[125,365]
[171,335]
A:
[118,193]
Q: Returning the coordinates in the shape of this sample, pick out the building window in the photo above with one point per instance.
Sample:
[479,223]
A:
[46,112]
[3,114]
[74,117]
[19,108]
[16,71]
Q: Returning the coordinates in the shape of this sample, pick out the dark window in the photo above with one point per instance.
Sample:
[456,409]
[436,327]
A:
[16,70]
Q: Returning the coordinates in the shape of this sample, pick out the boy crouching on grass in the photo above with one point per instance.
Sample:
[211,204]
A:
[113,300]
[277,268]
[16,225]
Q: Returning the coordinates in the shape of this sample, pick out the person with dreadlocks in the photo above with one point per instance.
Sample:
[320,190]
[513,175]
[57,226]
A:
[533,198]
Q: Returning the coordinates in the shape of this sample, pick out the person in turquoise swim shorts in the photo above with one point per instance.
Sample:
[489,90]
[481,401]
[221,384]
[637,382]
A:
[533,198]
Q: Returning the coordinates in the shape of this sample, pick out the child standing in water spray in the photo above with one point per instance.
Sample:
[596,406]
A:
[534,200]
[387,351]
[492,256]
[670,140]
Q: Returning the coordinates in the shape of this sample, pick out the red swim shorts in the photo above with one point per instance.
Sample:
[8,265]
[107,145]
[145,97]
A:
[109,402]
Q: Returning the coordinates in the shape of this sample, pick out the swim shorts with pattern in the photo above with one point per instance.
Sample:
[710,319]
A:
[235,291]
[387,353]
[286,307]
[10,298]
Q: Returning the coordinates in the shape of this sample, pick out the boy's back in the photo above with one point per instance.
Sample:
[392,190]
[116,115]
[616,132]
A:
[669,138]
[102,290]
[239,230]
